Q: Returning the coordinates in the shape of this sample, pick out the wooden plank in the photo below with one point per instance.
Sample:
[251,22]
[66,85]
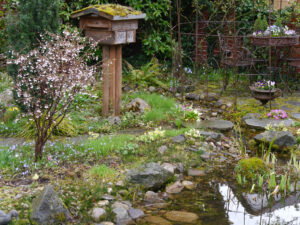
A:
[118,80]
[93,22]
[112,74]
[105,94]
[124,25]
[104,37]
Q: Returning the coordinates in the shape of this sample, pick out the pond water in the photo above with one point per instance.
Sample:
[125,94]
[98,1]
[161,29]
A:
[217,203]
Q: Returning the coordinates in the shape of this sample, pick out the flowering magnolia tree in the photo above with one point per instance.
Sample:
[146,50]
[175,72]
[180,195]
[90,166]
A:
[48,79]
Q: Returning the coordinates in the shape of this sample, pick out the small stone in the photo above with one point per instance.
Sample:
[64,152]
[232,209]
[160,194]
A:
[24,205]
[196,172]
[98,214]
[152,89]
[174,188]
[120,204]
[120,183]
[18,196]
[214,114]
[178,139]
[103,203]
[135,213]
[105,223]
[156,220]
[152,197]
[138,105]
[188,185]
[108,197]
[181,216]
[162,149]
[193,97]
[170,167]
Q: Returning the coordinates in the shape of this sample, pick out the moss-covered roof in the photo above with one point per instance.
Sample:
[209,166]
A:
[112,9]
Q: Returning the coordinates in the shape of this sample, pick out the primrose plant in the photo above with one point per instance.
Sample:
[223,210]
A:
[48,79]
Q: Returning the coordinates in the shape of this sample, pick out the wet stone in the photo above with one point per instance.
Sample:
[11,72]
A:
[196,172]
[174,188]
[157,220]
[189,185]
[181,216]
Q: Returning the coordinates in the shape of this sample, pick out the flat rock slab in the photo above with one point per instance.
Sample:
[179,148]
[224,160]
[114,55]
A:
[282,139]
[213,135]
[260,124]
[296,116]
[181,216]
[294,103]
[221,125]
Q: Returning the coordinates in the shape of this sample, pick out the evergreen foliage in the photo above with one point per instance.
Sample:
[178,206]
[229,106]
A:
[33,17]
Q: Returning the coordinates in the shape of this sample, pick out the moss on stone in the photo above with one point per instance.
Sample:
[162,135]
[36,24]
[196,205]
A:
[251,167]
[112,9]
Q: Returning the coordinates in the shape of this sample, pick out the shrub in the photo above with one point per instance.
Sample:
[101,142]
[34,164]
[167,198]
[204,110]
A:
[48,79]
[251,168]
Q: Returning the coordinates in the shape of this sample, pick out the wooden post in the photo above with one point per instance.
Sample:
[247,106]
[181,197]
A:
[105,104]
[118,80]
[112,69]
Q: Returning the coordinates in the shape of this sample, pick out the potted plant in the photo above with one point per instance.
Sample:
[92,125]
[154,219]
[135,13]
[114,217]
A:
[274,35]
[265,91]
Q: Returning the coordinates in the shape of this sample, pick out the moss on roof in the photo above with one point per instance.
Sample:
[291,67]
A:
[112,9]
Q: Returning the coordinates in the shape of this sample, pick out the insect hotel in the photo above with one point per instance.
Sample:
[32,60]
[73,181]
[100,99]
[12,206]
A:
[112,26]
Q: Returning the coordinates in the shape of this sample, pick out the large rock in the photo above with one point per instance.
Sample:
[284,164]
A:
[181,216]
[282,139]
[260,124]
[138,105]
[151,176]
[121,216]
[221,125]
[48,208]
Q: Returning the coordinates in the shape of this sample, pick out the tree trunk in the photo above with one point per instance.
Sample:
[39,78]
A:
[39,146]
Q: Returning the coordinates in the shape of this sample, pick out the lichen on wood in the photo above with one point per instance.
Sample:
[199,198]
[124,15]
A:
[112,9]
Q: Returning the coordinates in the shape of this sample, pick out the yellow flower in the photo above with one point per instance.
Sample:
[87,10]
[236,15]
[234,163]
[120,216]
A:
[12,109]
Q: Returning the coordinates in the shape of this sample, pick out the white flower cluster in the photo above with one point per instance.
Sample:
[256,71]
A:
[50,76]
[152,135]
[192,133]
[298,132]
[275,31]
[280,127]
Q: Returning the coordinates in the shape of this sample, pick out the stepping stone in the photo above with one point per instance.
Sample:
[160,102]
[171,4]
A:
[156,220]
[260,124]
[221,125]
[296,116]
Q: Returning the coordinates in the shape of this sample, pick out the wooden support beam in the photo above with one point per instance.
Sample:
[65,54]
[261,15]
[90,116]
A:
[112,75]
[105,95]
[118,80]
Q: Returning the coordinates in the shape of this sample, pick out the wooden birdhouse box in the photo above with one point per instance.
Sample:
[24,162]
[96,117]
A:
[112,26]
[109,24]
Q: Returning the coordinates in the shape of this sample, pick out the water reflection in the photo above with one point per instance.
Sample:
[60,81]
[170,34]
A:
[238,215]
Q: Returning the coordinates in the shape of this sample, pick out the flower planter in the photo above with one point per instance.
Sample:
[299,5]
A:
[275,41]
[264,96]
